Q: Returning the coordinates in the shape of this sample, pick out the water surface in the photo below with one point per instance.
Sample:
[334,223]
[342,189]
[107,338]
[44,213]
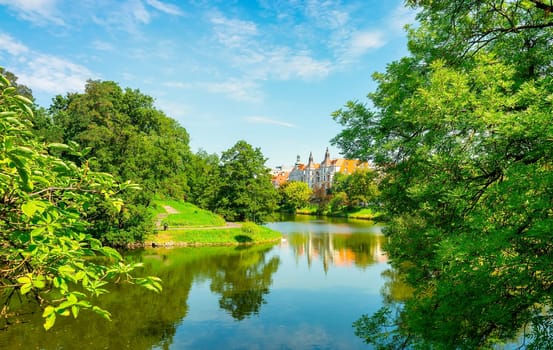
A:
[301,293]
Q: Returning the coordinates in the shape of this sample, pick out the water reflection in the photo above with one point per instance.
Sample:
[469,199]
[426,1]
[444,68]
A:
[303,293]
[338,242]
[145,320]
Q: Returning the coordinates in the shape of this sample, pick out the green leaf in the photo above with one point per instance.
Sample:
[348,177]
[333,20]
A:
[49,321]
[39,282]
[4,81]
[9,91]
[48,310]
[8,114]
[31,207]
[25,279]
[111,253]
[75,311]
[59,146]
[26,288]
[104,313]
[23,99]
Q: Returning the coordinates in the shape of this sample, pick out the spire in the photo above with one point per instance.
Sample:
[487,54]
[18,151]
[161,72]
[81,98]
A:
[326,161]
[298,159]
[310,163]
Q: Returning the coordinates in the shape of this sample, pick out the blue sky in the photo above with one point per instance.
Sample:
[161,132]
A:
[268,72]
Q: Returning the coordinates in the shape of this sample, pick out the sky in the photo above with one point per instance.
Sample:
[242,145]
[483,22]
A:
[269,72]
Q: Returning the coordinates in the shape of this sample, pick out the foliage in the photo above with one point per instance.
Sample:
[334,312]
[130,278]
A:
[462,131]
[360,187]
[246,192]
[338,202]
[294,195]
[203,179]
[250,228]
[46,249]
[128,137]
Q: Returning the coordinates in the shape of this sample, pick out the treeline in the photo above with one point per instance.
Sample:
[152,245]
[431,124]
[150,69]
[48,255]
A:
[122,133]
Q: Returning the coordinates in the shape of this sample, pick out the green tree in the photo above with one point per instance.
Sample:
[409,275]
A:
[338,202]
[361,186]
[246,191]
[203,179]
[129,138]
[46,251]
[294,195]
[462,130]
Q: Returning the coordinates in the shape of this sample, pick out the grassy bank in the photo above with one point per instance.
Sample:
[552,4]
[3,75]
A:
[214,236]
[175,213]
[189,225]
[356,213]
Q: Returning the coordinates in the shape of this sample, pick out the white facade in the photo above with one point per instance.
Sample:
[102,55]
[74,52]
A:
[320,176]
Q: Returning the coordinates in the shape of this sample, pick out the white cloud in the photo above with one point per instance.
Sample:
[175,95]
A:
[138,11]
[126,15]
[11,46]
[43,73]
[53,74]
[283,64]
[327,13]
[264,120]
[39,12]
[241,90]
[102,45]
[164,7]
[233,32]
[173,109]
[361,42]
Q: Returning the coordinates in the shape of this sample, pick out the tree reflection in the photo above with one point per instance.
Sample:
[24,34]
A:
[243,281]
[144,320]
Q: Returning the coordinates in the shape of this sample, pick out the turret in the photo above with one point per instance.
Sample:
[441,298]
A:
[326,161]
[310,163]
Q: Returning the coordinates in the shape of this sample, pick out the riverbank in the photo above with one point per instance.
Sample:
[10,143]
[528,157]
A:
[357,213]
[183,224]
[248,233]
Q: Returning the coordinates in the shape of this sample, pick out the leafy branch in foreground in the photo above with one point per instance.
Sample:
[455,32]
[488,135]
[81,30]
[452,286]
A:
[461,131]
[47,256]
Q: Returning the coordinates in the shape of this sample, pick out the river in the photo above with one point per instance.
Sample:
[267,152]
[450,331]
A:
[301,293]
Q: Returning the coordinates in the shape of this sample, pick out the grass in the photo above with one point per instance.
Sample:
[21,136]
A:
[214,236]
[188,214]
[193,226]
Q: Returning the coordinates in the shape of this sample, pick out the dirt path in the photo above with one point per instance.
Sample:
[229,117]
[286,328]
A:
[161,216]
[170,210]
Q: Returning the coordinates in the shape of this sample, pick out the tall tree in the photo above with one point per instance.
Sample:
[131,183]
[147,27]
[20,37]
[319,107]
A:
[462,130]
[246,191]
[128,137]
[203,179]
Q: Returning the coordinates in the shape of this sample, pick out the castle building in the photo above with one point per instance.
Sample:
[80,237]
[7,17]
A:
[319,176]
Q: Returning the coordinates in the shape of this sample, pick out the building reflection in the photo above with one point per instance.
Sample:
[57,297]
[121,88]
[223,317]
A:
[338,249]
